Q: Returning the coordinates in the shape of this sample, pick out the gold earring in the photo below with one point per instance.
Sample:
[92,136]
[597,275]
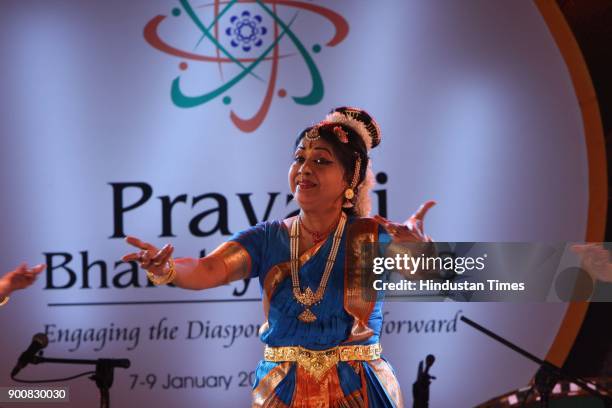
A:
[348,195]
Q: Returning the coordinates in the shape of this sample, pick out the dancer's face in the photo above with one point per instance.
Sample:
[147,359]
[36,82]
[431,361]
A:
[316,176]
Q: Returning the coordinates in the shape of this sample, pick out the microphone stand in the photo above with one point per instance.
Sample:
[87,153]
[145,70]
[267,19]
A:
[420,388]
[548,374]
[103,376]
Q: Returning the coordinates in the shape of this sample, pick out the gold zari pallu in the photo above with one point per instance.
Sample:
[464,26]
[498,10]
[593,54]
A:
[318,362]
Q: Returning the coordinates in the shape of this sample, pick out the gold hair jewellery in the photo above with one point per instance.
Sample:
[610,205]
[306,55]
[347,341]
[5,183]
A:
[313,134]
[163,279]
[349,193]
[307,298]
[356,173]
[4,300]
[363,117]
[359,121]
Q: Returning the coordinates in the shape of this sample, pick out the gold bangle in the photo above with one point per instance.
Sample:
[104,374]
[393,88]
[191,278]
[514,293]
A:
[4,300]
[164,279]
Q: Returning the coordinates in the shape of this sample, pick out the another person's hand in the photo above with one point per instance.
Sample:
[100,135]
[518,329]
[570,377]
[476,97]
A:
[19,278]
[595,260]
[149,257]
[410,231]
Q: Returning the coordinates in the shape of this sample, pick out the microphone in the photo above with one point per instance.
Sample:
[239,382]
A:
[116,362]
[39,342]
[429,360]
[123,363]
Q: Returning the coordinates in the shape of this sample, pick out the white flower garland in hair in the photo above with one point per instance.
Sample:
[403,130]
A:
[356,125]
[363,202]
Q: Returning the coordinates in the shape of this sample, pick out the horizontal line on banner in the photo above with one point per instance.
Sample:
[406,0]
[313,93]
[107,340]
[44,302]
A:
[153,302]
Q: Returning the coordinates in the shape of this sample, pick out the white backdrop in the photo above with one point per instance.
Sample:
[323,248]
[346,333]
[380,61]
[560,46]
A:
[477,109]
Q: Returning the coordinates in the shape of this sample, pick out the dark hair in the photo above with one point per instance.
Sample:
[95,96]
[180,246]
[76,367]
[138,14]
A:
[346,153]
[363,117]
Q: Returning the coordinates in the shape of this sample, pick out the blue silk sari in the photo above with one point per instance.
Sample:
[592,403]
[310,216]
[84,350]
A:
[344,316]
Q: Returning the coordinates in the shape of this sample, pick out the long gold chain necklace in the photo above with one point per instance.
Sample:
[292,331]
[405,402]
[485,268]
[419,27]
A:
[307,298]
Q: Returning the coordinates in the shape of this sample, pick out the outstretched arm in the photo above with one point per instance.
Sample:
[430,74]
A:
[411,231]
[19,278]
[227,263]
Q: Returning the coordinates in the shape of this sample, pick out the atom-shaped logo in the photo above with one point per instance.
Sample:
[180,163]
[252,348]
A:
[248,32]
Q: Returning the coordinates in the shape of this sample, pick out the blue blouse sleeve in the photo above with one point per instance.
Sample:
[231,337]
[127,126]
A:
[254,241]
[383,235]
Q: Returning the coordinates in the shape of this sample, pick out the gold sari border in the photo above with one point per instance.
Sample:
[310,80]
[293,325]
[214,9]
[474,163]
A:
[263,395]
[361,232]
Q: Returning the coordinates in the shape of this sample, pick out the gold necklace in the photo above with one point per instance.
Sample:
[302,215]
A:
[307,298]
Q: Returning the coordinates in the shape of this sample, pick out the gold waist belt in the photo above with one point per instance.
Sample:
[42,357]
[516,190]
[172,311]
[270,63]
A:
[317,362]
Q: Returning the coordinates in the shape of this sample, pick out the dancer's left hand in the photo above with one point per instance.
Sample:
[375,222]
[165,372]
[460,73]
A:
[595,260]
[410,231]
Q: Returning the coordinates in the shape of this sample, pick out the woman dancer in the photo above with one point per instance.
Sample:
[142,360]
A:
[321,331]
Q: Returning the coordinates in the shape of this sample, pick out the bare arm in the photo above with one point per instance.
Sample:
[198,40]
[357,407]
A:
[19,278]
[229,262]
[202,273]
[410,232]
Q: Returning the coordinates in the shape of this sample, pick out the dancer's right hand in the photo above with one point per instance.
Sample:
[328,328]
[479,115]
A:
[149,257]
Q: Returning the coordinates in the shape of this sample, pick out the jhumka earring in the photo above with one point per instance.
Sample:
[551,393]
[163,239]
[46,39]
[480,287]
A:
[349,194]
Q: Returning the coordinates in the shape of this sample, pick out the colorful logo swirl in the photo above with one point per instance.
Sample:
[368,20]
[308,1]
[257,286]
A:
[246,32]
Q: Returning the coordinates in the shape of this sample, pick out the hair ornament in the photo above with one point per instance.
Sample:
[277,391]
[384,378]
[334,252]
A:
[358,120]
[341,134]
[313,134]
